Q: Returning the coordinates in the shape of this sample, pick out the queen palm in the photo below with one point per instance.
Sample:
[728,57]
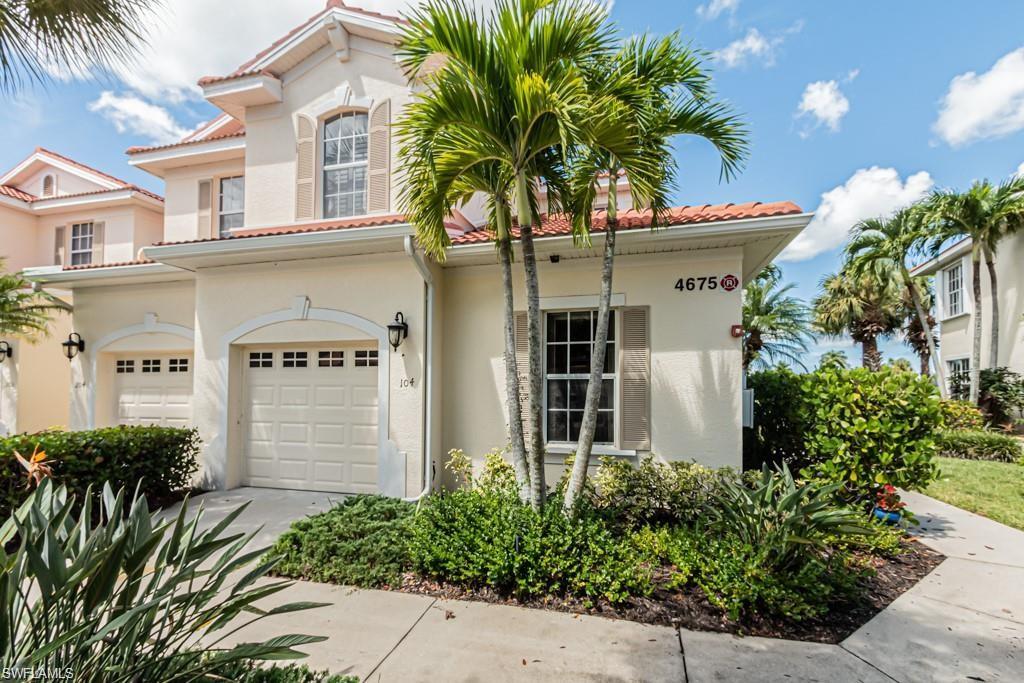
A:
[652,91]
[38,37]
[776,325]
[920,336]
[887,244]
[986,213]
[866,307]
[504,94]
[24,312]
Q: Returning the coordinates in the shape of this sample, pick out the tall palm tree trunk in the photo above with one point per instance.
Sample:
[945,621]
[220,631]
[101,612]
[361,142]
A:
[976,352]
[585,444]
[535,459]
[990,263]
[922,317]
[869,355]
[512,397]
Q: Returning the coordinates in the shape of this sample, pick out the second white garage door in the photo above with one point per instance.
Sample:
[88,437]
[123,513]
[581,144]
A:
[311,418]
[154,389]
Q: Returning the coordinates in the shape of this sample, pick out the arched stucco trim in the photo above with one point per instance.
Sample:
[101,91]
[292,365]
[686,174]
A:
[301,310]
[149,325]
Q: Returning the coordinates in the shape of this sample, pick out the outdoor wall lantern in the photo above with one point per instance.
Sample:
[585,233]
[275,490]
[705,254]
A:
[398,331]
[73,345]
[6,351]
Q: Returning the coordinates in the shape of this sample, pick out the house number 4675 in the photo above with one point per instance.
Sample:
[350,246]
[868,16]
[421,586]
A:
[709,282]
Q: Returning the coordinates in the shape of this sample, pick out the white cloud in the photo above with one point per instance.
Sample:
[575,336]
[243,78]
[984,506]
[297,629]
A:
[987,105]
[1020,170]
[716,8]
[130,114]
[754,45]
[825,103]
[868,193]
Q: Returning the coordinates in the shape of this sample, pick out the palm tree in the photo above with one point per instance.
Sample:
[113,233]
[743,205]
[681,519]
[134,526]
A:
[920,336]
[986,213]
[506,94]
[833,360]
[24,312]
[37,38]
[652,91]
[888,244]
[776,325]
[866,307]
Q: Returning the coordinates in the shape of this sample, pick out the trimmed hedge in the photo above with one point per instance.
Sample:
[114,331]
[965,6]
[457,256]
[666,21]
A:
[163,459]
[977,444]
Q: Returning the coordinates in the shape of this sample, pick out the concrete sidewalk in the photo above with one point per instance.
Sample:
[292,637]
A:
[964,622]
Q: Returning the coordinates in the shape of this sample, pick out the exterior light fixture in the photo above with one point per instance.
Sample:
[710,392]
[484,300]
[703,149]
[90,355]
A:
[73,345]
[736,331]
[398,331]
[6,351]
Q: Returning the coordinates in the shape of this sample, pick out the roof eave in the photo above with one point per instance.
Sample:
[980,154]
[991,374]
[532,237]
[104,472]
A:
[159,160]
[94,277]
[935,263]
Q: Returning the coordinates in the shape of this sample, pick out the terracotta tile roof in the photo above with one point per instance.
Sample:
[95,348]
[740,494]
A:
[558,224]
[240,133]
[210,80]
[15,193]
[118,264]
[132,188]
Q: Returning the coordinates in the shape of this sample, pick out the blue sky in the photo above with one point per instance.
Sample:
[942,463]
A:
[854,108]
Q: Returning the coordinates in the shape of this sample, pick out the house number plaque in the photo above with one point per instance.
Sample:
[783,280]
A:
[707,282]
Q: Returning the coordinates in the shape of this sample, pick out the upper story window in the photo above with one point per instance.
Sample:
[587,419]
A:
[569,341]
[954,289]
[81,243]
[49,185]
[231,205]
[345,156]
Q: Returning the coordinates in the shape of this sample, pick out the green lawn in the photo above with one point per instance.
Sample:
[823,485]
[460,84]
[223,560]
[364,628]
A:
[992,489]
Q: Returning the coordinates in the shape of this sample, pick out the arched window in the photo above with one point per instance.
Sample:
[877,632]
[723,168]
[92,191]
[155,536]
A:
[345,154]
[48,183]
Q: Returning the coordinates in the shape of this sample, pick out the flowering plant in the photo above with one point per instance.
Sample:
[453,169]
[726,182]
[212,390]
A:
[888,499]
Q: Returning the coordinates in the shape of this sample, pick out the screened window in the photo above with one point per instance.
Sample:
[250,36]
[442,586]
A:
[230,209]
[81,244]
[955,290]
[569,344]
[345,156]
[261,359]
[366,358]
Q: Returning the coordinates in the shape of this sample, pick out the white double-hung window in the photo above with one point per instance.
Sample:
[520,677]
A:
[569,346]
[231,205]
[345,160]
[81,244]
[954,288]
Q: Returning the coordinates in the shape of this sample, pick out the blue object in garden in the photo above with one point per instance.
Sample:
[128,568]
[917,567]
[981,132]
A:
[887,516]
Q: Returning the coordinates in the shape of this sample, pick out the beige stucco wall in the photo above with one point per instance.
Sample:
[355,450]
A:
[18,243]
[181,197]
[695,362]
[43,377]
[228,299]
[67,183]
[318,92]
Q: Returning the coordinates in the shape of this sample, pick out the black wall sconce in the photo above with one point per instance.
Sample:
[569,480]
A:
[398,331]
[6,351]
[73,345]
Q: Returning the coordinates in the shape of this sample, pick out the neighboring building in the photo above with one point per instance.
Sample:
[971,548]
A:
[54,210]
[953,283]
[262,314]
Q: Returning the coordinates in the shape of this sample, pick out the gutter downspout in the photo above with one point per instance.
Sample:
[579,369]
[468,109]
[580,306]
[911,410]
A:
[428,375]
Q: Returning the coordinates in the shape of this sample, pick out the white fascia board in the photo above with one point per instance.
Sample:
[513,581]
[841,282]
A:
[14,203]
[217,124]
[59,164]
[245,85]
[189,150]
[239,245]
[947,256]
[92,200]
[56,275]
[788,223]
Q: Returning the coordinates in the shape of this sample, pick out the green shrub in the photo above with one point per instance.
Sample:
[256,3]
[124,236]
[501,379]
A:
[868,429]
[363,541]
[1000,394]
[780,419]
[251,672]
[489,538]
[162,460]
[653,492]
[977,444]
[961,415]
[129,598]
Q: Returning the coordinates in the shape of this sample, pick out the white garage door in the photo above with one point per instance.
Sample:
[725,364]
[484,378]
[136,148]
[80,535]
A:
[311,418]
[154,389]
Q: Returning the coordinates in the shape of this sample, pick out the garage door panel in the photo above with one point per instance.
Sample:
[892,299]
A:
[317,424]
[157,396]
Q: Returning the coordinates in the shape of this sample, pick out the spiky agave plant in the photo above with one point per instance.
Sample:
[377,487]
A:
[130,598]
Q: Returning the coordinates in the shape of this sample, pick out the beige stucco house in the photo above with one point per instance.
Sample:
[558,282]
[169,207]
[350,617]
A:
[954,305]
[58,211]
[261,313]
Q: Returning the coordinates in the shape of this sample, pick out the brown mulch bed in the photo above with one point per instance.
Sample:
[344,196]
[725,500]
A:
[689,608]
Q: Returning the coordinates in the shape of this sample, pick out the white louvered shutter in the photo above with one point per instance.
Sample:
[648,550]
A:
[305,169]
[379,172]
[98,229]
[59,245]
[522,330]
[635,382]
